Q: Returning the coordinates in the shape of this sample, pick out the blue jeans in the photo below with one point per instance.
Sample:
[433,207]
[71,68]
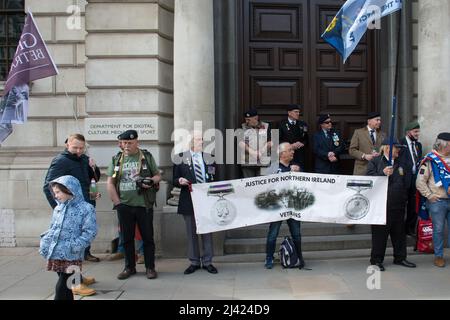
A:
[439,212]
[274,229]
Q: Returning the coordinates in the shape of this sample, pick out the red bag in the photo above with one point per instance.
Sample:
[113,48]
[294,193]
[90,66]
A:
[425,236]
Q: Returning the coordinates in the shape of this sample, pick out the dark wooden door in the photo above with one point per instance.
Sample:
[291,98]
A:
[285,61]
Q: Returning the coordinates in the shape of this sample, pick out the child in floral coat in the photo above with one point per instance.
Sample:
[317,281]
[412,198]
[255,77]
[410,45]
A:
[72,229]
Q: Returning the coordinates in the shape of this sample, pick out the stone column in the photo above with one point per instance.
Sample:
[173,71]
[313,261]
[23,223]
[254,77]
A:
[129,74]
[193,68]
[193,99]
[434,67]
[193,64]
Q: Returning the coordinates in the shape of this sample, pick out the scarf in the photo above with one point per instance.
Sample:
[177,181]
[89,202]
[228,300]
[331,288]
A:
[441,171]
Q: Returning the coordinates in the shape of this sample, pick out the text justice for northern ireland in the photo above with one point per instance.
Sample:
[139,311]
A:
[289,178]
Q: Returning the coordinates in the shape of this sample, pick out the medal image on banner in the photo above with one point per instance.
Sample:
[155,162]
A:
[357,206]
[223,212]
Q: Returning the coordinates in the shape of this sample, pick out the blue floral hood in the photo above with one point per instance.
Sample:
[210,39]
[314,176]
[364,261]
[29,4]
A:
[72,184]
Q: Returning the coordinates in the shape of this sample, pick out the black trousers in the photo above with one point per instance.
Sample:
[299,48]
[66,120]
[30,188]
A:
[62,291]
[411,214]
[128,218]
[395,227]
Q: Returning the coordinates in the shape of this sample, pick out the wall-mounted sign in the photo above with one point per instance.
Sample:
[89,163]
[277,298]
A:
[107,129]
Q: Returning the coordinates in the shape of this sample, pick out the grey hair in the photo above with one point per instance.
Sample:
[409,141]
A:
[283,146]
[440,144]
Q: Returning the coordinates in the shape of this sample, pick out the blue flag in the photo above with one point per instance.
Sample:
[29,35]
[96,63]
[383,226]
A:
[352,21]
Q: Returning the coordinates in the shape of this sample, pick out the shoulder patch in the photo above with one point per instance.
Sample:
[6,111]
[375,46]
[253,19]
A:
[422,171]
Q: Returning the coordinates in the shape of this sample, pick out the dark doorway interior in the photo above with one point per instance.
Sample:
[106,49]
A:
[283,60]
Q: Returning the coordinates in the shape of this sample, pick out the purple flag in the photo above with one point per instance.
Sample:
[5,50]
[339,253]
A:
[31,60]
[14,106]
[5,131]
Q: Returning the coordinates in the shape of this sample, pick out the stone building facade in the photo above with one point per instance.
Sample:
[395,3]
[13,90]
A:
[169,63]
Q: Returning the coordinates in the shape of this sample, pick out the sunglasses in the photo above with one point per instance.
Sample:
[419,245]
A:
[327,122]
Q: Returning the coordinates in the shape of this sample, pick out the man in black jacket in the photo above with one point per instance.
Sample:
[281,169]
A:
[395,210]
[72,161]
[295,132]
[328,146]
[411,156]
[193,167]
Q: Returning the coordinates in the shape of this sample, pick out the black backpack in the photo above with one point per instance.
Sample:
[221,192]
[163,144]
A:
[288,254]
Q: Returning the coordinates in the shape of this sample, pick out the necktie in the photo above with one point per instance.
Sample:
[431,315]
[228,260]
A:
[198,169]
[414,150]
[372,136]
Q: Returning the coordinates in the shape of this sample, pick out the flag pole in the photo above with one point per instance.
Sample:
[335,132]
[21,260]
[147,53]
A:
[394,98]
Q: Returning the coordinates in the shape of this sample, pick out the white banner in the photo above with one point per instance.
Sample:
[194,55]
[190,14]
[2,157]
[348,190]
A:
[303,196]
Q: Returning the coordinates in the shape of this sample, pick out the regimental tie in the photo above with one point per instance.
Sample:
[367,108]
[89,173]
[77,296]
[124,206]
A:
[414,151]
[198,168]
[372,136]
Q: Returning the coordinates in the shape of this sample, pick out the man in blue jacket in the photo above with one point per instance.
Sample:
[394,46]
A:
[328,146]
[72,161]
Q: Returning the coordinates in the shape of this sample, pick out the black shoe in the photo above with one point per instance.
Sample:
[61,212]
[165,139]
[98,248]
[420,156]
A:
[405,263]
[411,232]
[301,265]
[379,265]
[90,257]
[126,273]
[191,269]
[151,274]
[210,268]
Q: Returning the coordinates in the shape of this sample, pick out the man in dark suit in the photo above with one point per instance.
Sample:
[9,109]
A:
[295,132]
[194,167]
[411,156]
[328,146]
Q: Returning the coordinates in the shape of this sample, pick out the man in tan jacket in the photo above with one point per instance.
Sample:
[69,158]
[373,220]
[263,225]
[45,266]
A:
[433,182]
[366,143]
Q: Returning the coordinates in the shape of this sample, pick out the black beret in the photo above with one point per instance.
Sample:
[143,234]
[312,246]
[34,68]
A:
[250,113]
[395,143]
[128,135]
[444,136]
[293,107]
[323,118]
[372,115]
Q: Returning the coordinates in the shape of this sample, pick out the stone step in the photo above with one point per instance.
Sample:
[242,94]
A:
[315,255]
[307,229]
[309,243]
